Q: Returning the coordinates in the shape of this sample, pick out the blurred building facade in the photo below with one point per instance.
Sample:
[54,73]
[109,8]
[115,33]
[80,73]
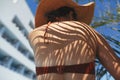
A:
[16,55]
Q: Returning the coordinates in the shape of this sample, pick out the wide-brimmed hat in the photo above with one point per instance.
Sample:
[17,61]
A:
[84,12]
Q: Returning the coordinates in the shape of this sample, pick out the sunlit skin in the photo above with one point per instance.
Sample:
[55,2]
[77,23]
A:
[68,43]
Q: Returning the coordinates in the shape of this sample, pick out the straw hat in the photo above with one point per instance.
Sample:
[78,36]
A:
[84,12]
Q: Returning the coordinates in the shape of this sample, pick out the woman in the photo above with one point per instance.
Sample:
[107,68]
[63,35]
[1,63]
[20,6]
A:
[65,46]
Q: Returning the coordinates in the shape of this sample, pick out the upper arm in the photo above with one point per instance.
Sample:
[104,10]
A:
[108,58]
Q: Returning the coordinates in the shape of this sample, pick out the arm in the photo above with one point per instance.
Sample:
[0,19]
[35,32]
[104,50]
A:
[108,58]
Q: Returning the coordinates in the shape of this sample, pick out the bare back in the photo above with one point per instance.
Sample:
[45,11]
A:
[64,43]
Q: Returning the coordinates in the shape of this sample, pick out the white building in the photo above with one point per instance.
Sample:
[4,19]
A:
[16,55]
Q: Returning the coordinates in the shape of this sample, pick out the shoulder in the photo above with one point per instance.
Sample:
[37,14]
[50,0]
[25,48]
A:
[36,32]
[76,24]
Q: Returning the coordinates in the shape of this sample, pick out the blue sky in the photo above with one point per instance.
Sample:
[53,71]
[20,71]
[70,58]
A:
[98,6]
[32,5]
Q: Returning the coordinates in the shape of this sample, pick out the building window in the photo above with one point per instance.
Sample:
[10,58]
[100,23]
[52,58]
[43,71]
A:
[2,29]
[31,58]
[2,55]
[5,60]
[22,50]
[11,39]
[26,53]
[29,74]
[31,24]
[8,36]
[20,26]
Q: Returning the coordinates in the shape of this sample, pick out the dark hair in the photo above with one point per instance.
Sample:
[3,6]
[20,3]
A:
[60,12]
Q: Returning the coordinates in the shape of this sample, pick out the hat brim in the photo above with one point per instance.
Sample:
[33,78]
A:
[84,12]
